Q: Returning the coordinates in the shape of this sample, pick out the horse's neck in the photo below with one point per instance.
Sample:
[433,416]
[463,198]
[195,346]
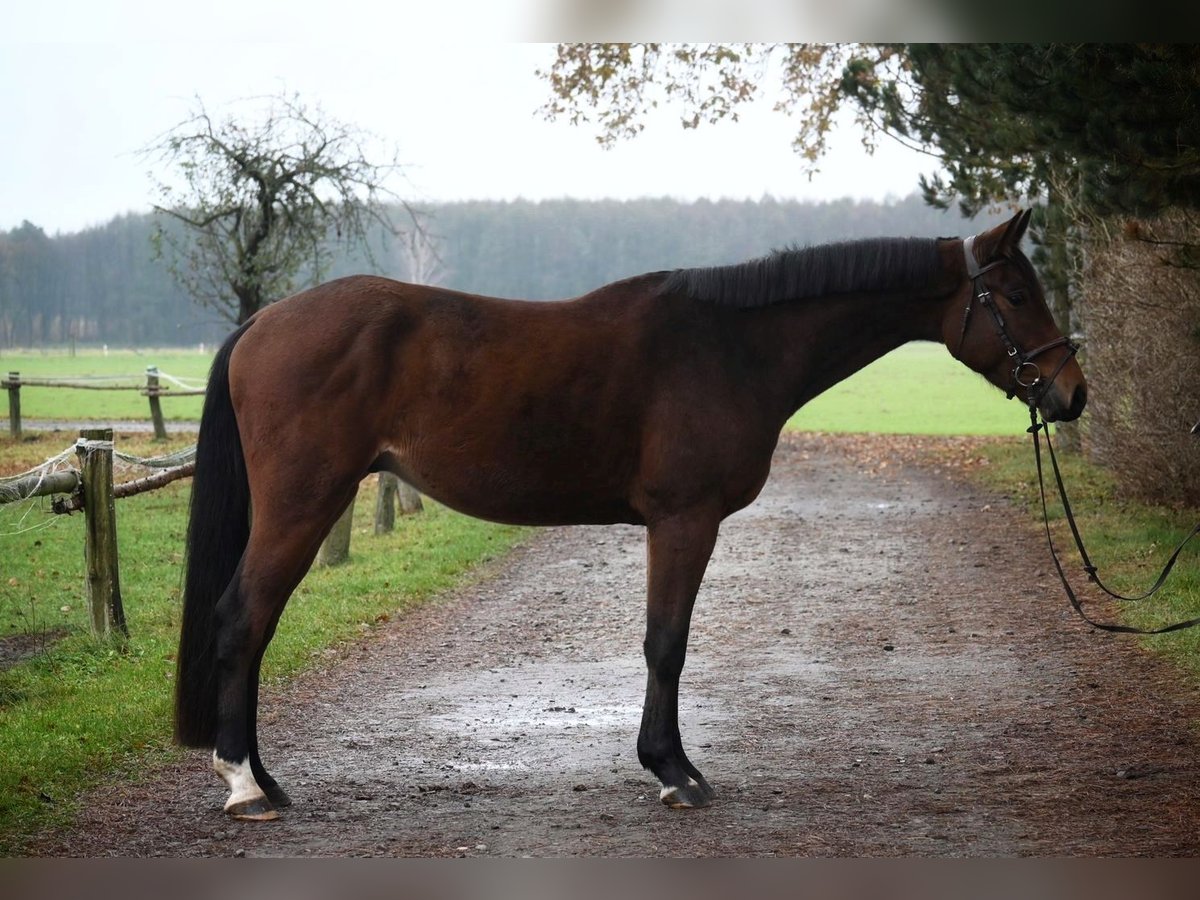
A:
[821,342]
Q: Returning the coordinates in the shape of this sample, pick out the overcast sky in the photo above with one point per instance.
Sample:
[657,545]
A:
[462,115]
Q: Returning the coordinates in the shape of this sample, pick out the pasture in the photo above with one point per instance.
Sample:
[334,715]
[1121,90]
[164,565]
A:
[127,365]
[917,389]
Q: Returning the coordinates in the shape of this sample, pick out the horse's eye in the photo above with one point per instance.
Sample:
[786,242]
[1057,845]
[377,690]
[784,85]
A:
[1016,298]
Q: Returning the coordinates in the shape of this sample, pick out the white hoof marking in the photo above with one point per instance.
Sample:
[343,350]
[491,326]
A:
[242,786]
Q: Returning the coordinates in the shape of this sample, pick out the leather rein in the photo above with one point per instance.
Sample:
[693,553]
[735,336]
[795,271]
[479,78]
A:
[1027,374]
[1036,428]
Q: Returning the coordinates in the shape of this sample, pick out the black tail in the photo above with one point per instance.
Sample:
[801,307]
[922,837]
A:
[218,530]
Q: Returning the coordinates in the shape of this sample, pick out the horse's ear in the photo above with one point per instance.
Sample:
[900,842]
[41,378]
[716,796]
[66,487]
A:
[1015,230]
[1001,240]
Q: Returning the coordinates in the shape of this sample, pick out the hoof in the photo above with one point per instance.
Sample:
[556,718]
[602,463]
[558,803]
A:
[278,796]
[693,795]
[257,809]
[705,788]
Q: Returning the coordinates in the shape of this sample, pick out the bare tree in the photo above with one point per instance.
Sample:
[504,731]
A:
[422,259]
[264,199]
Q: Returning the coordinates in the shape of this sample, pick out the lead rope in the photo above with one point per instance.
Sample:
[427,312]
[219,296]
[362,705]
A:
[1034,428]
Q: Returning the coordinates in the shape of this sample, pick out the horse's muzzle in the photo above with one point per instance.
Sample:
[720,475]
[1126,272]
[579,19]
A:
[1056,408]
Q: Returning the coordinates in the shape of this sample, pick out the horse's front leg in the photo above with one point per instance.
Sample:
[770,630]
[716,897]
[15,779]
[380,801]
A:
[677,554]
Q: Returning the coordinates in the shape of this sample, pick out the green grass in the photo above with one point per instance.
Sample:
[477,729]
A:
[917,389]
[82,710]
[65,403]
[1128,541]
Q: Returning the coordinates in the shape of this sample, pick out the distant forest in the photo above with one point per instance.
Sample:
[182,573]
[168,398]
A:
[103,285]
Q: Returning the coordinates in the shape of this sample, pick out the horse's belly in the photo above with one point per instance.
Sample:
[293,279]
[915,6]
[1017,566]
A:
[517,494]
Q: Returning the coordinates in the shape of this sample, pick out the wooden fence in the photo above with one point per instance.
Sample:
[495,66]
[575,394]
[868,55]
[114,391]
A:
[91,488]
[153,390]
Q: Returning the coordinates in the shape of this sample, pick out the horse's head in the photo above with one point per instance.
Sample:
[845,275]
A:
[1000,326]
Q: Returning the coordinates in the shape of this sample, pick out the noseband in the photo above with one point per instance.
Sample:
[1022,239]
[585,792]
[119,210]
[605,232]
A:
[1026,373]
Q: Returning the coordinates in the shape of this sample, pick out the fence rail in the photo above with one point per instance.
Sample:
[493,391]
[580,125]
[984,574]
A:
[153,389]
[38,485]
[90,487]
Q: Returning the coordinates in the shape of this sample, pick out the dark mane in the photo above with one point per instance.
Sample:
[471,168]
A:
[877,264]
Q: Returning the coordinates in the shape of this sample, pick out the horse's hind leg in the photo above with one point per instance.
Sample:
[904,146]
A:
[277,795]
[238,640]
[677,550]
[280,550]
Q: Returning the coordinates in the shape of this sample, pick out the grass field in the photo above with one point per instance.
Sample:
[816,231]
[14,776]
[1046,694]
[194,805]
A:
[918,389]
[65,403]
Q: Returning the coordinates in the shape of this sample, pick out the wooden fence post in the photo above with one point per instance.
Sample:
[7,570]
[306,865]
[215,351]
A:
[335,549]
[14,404]
[410,499]
[392,491]
[103,580]
[156,416]
[385,503]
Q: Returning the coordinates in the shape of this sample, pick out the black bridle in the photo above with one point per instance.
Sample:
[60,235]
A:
[1025,373]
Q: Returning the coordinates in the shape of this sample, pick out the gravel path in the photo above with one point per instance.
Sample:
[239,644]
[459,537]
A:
[880,664]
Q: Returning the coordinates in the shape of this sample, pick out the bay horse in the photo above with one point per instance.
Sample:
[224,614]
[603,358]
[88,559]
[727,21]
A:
[656,400]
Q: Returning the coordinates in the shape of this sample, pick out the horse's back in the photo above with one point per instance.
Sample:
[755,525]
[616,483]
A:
[511,410]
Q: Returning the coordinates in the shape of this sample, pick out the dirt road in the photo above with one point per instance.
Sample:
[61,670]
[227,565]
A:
[879,665]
